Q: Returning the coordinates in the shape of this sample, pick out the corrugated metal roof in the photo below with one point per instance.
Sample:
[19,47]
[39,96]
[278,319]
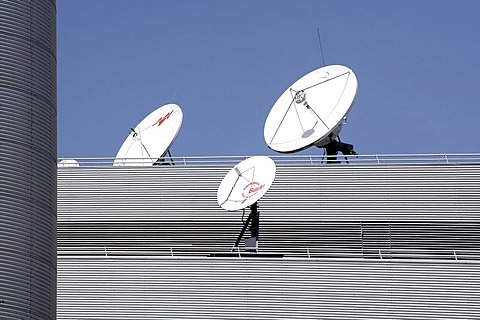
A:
[376,241]
[235,288]
[320,207]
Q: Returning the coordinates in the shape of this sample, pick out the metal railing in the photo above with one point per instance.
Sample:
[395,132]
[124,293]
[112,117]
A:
[298,252]
[376,159]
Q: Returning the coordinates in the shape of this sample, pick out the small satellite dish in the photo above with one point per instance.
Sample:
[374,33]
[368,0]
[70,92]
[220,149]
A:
[152,138]
[312,110]
[243,186]
[68,163]
[246,183]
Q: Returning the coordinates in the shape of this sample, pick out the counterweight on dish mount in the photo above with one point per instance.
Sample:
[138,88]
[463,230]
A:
[150,141]
[242,187]
[312,111]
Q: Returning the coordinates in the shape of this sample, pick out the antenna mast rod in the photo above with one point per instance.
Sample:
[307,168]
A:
[175,94]
[253,221]
[321,48]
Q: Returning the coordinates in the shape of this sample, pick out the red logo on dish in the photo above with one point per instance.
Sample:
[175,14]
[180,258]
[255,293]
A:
[251,189]
[162,119]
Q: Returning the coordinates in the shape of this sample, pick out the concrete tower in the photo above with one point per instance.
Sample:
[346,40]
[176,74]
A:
[28,151]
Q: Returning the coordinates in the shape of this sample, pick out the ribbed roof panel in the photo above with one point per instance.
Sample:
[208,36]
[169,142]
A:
[374,211]
[249,288]
[299,193]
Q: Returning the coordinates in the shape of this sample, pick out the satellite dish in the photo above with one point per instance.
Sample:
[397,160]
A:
[312,110]
[68,163]
[246,183]
[151,139]
[243,186]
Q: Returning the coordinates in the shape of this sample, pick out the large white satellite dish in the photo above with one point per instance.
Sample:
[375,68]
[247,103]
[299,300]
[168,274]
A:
[246,183]
[152,138]
[312,110]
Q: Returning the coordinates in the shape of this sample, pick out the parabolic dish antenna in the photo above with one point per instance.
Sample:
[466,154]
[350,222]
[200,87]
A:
[68,163]
[151,139]
[246,183]
[312,110]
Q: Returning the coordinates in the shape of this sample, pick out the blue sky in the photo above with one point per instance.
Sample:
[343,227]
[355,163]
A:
[417,64]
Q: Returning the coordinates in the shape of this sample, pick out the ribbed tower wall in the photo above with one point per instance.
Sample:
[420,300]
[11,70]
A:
[28,149]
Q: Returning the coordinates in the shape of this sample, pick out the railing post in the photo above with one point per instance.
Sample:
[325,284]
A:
[455,255]
[380,253]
